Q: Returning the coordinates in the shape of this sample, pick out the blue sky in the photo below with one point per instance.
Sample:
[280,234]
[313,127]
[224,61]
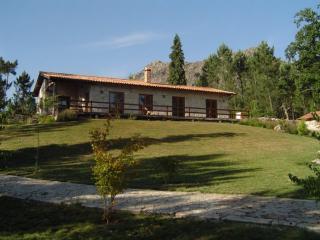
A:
[116,38]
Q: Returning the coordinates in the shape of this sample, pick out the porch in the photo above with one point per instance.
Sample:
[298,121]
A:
[176,111]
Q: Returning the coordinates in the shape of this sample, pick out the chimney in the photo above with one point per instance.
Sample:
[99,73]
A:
[147,75]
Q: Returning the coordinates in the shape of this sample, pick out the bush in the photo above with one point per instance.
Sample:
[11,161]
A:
[255,122]
[46,119]
[289,126]
[67,115]
[302,128]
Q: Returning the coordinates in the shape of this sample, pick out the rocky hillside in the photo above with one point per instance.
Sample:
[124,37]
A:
[159,71]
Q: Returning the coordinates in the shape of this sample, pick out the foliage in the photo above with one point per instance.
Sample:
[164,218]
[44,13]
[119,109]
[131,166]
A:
[168,167]
[286,126]
[45,119]
[109,169]
[253,76]
[302,128]
[303,52]
[47,104]
[23,101]
[287,89]
[289,126]
[255,122]
[7,68]
[315,116]
[67,115]
[176,68]
[310,184]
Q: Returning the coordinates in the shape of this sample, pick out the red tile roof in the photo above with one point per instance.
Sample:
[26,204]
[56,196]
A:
[119,81]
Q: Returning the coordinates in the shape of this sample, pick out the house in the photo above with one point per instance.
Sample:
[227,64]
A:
[107,95]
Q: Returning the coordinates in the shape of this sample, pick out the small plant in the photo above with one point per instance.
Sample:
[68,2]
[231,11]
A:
[302,128]
[109,170]
[67,115]
[168,167]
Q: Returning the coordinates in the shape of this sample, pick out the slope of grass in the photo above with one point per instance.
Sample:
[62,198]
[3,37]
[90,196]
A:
[214,157]
[21,219]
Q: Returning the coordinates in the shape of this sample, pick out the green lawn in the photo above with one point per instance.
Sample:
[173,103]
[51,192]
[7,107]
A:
[214,157]
[23,219]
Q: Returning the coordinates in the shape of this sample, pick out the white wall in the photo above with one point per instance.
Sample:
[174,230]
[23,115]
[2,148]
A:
[160,97]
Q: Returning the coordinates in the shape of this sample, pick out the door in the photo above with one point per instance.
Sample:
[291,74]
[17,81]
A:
[178,107]
[211,108]
[145,103]
[116,102]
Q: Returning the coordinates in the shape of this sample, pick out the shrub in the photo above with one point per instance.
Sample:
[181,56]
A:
[67,115]
[289,126]
[310,184]
[110,170]
[46,119]
[302,128]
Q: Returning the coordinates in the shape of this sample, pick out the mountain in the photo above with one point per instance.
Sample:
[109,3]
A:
[160,71]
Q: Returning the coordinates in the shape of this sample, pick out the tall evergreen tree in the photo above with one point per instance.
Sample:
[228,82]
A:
[7,68]
[208,76]
[177,74]
[22,99]
[304,53]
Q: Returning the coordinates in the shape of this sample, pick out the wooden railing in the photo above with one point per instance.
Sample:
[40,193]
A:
[96,107]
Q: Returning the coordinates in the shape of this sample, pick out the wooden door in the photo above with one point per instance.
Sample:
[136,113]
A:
[116,102]
[145,103]
[178,107]
[211,108]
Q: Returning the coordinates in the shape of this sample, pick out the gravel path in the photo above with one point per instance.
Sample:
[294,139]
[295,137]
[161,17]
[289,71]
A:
[243,208]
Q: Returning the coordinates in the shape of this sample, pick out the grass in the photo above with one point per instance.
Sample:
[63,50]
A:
[25,219]
[213,157]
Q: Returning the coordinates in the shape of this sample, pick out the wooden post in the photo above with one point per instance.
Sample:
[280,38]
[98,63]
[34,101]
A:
[91,107]
[189,112]
[167,110]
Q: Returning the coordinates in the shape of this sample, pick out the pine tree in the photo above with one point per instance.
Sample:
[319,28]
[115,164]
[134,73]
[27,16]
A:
[23,100]
[6,68]
[176,67]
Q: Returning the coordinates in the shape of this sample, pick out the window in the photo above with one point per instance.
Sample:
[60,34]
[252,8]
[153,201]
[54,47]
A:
[116,102]
[145,103]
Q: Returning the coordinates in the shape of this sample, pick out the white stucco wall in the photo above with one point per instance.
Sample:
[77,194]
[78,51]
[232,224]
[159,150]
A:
[100,93]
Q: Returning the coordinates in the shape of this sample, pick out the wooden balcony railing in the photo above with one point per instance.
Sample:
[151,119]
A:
[101,108]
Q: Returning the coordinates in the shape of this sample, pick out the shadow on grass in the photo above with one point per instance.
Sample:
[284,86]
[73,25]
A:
[121,142]
[71,162]
[32,129]
[193,171]
[31,219]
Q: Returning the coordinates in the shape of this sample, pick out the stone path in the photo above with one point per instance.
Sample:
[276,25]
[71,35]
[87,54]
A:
[243,208]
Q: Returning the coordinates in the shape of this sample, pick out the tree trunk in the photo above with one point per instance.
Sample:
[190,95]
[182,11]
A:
[285,110]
